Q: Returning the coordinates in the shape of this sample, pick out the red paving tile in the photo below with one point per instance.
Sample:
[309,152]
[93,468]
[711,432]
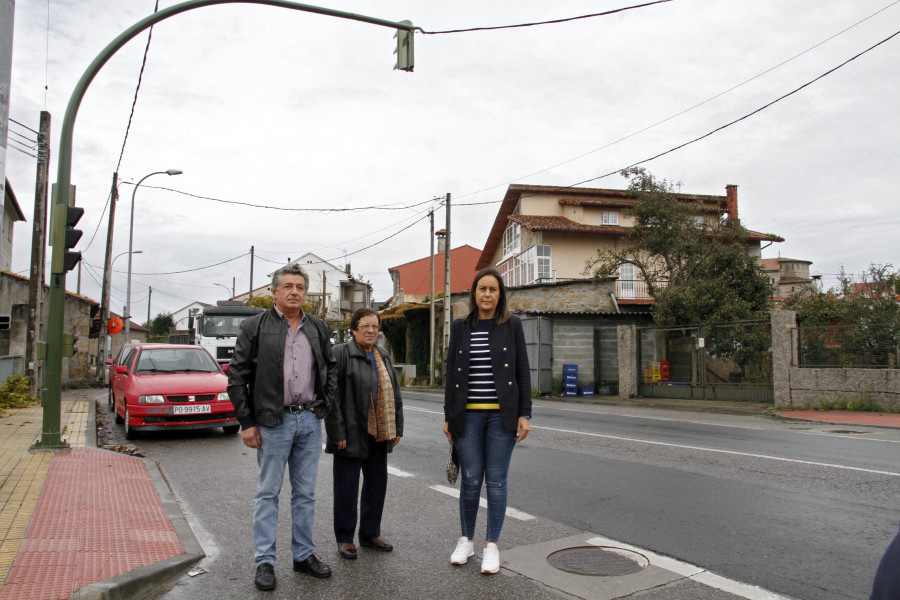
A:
[98,516]
[847,417]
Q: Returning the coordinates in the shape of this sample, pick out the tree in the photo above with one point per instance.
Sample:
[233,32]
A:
[856,323]
[697,271]
[159,327]
[268,302]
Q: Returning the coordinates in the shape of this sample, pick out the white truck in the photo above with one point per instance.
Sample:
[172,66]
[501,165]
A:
[216,327]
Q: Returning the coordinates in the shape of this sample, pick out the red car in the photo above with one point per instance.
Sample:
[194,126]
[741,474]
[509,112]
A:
[160,387]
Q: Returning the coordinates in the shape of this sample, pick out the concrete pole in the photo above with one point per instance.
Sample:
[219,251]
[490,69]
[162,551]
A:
[431,307]
[38,243]
[447,287]
[102,349]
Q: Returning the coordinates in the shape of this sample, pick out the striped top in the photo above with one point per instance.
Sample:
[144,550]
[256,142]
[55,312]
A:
[482,392]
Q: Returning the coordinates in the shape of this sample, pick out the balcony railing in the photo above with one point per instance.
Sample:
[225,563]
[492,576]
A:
[634,289]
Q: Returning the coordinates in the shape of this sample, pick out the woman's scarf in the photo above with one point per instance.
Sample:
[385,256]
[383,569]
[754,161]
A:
[382,423]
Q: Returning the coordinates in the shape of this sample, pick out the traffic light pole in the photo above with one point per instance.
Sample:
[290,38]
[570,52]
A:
[50,432]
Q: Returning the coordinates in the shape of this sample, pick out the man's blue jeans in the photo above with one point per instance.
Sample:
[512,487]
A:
[484,454]
[297,444]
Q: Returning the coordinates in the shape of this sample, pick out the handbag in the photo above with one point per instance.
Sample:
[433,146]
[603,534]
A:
[452,464]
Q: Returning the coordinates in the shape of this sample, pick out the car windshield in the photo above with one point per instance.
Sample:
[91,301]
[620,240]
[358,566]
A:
[175,360]
[222,325]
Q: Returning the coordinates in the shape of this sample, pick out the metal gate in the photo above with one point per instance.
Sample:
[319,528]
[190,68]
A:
[539,345]
[606,361]
[730,361]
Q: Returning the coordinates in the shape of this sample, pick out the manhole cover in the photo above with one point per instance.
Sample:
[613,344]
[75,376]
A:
[603,561]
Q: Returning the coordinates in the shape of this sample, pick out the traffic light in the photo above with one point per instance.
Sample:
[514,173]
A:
[69,340]
[63,232]
[404,50]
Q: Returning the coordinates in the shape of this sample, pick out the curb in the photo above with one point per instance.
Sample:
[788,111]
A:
[149,578]
[827,422]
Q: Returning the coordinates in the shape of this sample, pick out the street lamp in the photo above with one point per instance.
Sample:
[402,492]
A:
[131,253]
[227,289]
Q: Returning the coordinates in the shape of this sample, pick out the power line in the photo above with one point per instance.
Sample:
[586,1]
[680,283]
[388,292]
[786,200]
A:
[551,22]
[390,206]
[197,268]
[137,90]
[680,113]
[708,134]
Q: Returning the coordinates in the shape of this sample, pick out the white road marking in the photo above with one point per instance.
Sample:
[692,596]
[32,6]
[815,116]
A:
[510,512]
[698,574]
[719,451]
[398,473]
[776,430]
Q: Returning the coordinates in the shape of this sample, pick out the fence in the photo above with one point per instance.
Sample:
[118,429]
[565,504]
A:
[849,346]
[727,362]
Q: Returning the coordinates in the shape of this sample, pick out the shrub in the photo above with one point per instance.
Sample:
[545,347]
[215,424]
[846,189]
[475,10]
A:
[15,393]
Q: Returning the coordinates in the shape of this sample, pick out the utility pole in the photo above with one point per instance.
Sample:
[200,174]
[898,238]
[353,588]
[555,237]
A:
[233,279]
[324,294]
[102,349]
[78,286]
[38,243]
[431,307]
[250,299]
[447,287]
[149,295]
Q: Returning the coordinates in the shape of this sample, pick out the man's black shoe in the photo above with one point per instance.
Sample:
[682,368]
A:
[265,577]
[313,566]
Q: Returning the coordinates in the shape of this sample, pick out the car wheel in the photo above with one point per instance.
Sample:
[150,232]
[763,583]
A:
[130,433]
[119,420]
[231,429]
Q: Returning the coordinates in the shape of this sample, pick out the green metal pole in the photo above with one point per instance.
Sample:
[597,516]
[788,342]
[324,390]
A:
[50,432]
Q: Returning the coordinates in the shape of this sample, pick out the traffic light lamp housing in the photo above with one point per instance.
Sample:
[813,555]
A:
[404,50]
[68,346]
[63,232]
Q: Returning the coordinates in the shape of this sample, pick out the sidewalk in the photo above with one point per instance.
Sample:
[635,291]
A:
[86,523]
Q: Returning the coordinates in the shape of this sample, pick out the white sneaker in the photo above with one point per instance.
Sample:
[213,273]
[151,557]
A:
[490,559]
[464,549]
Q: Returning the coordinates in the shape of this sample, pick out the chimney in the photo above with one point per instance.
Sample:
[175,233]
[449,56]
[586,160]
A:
[442,239]
[731,206]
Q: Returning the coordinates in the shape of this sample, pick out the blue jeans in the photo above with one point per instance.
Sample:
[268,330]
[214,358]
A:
[484,454]
[296,443]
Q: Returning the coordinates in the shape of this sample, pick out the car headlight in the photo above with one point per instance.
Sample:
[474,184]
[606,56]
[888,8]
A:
[152,399]
[223,396]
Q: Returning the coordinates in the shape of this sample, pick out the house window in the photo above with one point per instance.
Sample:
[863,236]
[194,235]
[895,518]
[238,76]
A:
[544,265]
[699,221]
[512,237]
[610,218]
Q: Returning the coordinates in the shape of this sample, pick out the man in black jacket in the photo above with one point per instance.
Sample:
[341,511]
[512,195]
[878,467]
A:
[282,380]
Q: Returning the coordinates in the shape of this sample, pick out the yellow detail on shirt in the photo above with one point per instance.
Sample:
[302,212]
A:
[494,406]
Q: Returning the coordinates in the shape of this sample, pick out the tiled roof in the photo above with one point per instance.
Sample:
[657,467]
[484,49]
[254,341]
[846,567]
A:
[414,275]
[563,224]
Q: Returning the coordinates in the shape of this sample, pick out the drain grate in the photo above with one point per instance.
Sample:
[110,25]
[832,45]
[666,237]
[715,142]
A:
[602,561]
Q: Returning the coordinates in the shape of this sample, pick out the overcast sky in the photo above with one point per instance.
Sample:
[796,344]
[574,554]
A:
[273,107]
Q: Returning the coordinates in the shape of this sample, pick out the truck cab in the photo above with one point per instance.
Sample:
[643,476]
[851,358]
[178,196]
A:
[216,328]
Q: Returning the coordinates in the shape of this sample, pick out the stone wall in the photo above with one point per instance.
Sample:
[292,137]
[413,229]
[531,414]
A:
[802,388]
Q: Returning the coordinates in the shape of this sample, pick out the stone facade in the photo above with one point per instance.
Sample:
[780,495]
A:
[797,387]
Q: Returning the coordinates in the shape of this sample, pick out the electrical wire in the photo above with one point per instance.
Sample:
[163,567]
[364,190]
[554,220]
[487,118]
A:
[704,136]
[680,113]
[137,90]
[286,208]
[25,126]
[195,269]
[551,22]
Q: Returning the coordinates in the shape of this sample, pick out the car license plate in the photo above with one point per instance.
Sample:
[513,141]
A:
[192,409]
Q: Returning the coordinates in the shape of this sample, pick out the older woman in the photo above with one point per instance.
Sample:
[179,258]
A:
[487,408]
[363,427]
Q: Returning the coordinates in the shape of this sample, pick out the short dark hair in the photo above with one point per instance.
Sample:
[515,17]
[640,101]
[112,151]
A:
[502,312]
[359,315]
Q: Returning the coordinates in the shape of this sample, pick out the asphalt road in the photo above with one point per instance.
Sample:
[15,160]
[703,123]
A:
[802,510]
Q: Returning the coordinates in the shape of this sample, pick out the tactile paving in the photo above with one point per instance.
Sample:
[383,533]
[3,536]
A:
[55,517]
